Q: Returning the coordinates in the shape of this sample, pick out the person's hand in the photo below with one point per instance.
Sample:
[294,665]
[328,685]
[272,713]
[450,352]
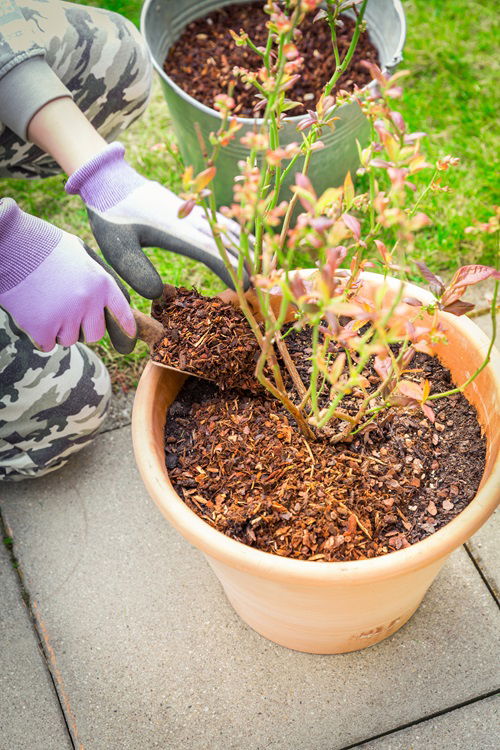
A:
[56,289]
[128,212]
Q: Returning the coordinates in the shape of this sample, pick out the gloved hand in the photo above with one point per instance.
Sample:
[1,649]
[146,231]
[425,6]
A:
[54,288]
[128,212]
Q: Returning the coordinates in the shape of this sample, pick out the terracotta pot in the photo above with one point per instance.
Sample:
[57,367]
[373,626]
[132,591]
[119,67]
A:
[327,607]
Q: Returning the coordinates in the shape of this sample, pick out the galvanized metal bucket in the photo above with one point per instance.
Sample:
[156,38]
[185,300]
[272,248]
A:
[162,22]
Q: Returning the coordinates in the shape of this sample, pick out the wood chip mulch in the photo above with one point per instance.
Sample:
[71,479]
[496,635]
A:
[239,463]
[207,337]
[201,61]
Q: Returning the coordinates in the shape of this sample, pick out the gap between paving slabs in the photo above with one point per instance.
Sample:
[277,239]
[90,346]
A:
[30,708]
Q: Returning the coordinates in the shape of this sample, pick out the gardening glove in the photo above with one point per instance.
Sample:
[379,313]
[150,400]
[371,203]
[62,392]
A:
[128,212]
[55,288]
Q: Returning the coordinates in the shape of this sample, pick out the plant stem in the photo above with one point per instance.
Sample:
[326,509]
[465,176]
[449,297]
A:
[350,52]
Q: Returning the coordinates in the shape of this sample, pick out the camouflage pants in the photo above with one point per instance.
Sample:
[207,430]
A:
[51,404]
[101,58]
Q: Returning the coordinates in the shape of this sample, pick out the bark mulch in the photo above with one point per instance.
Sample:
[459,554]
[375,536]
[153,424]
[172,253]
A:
[238,461]
[201,61]
[207,337]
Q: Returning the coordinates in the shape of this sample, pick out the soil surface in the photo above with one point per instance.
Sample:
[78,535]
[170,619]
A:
[238,461]
[201,62]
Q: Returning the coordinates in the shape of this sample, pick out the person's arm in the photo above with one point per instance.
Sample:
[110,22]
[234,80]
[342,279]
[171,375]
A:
[27,82]
[63,131]
[126,211]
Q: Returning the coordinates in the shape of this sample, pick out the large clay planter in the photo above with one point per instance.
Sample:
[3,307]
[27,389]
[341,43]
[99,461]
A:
[327,607]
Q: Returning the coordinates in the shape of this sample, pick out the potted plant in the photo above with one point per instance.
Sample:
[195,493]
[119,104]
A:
[163,22]
[310,529]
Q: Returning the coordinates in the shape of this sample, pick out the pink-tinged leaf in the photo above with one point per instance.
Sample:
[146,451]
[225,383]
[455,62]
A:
[419,221]
[297,286]
[410,389]
[304,182]
[424,347]
[413,301]
[394,92]
[411,330]
[383,251]
[335,256]
[398,120]
[428,413]
[290,83]
[374,71]
[459,307]
[353,224]
[186,208]
[430,277]
[333,323]
[317,146]
[382,366]
[412,137]
[381,163]
[468,275]
[321,223]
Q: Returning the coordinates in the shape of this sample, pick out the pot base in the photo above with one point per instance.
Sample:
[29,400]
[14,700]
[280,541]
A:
[316,644]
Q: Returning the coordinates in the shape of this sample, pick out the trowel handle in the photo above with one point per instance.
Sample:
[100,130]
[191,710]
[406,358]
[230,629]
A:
[148,329]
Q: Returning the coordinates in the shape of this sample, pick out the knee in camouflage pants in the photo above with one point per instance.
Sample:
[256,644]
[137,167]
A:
[51,404]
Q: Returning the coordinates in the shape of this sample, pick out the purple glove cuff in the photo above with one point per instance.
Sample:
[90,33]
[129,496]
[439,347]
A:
[25,242]
[105,180]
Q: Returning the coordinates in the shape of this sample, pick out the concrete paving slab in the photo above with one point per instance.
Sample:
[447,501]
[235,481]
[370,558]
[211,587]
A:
[30,716]
[120,411]
[485,324]
[485,548]
[474,727]
[153,656]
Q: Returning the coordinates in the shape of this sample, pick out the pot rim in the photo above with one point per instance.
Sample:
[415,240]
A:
[256,121]
[264,564]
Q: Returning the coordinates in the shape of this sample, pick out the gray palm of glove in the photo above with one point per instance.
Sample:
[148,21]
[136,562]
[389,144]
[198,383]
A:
[148,218]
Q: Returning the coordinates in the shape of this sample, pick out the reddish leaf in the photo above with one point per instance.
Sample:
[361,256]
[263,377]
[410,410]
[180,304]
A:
[459,307]
[321,223]
[304,182]
[297,286]
[413,301]
[428,412]
[186,208]
[398,121]
[353,224]
[430,277]
[468,275]
[382,366]
[383,251]
[335,256]
[410,389]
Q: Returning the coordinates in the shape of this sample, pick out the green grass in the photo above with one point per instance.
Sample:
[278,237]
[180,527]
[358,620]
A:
[452,54]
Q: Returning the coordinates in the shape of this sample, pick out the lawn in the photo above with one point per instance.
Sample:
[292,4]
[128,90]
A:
[452,54]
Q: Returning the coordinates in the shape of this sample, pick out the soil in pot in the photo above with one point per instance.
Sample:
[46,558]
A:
[201,62]
[236,459]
